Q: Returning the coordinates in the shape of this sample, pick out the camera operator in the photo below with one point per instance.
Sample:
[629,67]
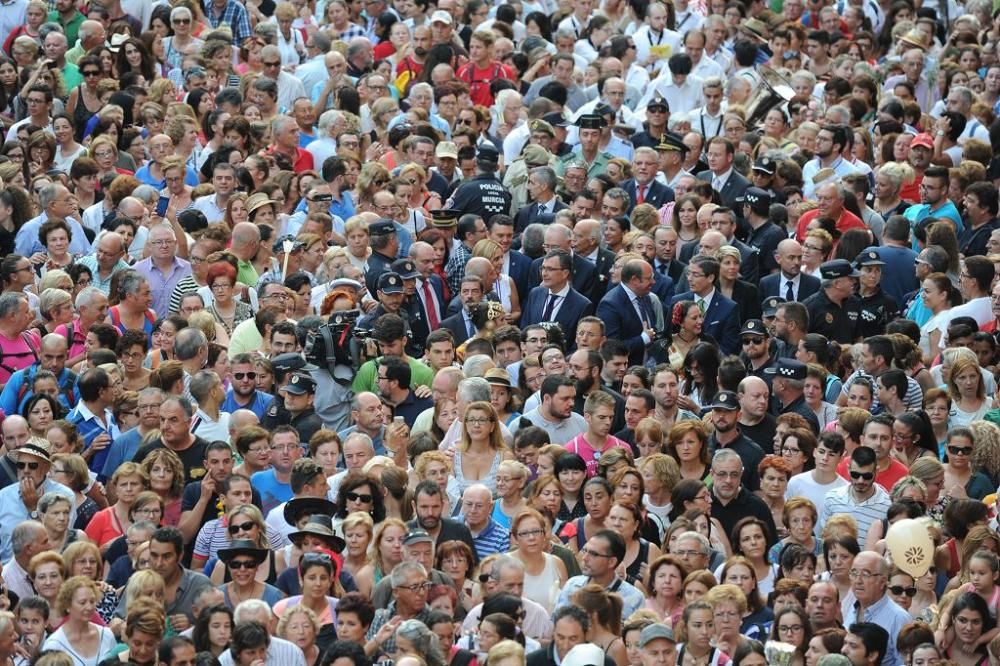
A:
[389,332]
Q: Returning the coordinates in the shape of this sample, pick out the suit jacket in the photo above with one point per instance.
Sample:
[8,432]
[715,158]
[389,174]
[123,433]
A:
[657,193]
[574,307]
[622,322]
[735,187]
[520,273]
[584,274]
[456,324]
[420,325]
[663,287]
[675,270]
[774,285]
[529,214]
[605,260]
[747,298]
[722,320]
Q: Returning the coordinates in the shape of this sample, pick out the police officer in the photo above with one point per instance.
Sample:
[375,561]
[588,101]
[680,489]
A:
[877,307]
[833,310]
[757,353]
[389,292]
[559,124]
[763,173]
[651,134]
[483,194]
[284,366]
[764,235]
[770,308]
[300,397]
[589,150]
[788,377]
[672,152]
[412,310]
[385,246]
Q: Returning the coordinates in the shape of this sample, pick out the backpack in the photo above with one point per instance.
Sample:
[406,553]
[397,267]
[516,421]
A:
[116,318]
[25,389]
[479,86]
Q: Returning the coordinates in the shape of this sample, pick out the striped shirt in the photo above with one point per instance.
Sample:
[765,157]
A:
[214,536]
[914,394]
[840,500]
[89,427]
[493,539]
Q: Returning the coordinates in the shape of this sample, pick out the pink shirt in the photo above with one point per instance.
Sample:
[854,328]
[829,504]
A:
[582,447]
[16,354]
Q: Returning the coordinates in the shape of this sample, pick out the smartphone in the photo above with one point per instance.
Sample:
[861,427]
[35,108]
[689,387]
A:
[398,419]
[161,206]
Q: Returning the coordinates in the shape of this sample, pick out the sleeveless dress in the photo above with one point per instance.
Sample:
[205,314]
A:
[81,114]
[490,480]
[540,588]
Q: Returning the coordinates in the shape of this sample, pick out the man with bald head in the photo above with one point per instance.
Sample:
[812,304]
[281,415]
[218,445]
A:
[429,286]
[871,603]
[290,88]
[14,433]
[90,35]
[913,71]
[161,147]
[789,282]
[488,535]
[823,606]
[52,357]
[108,259]
[246,242]
[755,422]
[830,203]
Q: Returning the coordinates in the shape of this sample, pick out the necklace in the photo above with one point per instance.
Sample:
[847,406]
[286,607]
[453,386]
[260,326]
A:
[239,597]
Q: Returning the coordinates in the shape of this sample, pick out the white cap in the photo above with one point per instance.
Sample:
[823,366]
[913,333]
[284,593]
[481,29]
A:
[441,16]
[584,654]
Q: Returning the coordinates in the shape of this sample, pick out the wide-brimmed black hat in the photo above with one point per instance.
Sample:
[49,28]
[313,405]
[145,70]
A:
[243,547]
[297,507]
[320,526]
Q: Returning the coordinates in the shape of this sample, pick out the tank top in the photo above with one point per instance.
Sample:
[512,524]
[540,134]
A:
[490,480]
[81,114]
[272,572]
[539,588]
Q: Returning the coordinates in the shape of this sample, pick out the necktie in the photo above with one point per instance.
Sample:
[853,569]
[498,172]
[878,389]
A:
[701,305]
[472,329]
[647,310]
[715,183]
[550,305]
[789,294]
[662,268]
[541,209]
[640,195]
[432,317]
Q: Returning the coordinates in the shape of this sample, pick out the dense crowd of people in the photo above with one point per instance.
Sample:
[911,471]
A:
[524,333]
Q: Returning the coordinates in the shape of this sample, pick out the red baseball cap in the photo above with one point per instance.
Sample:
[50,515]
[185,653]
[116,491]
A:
[924,139]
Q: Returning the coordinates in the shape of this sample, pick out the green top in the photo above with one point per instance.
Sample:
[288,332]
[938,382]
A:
[71,29]
[367,377]
[246,273]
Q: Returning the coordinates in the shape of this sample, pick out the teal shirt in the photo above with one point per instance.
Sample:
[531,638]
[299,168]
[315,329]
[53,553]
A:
[71,76]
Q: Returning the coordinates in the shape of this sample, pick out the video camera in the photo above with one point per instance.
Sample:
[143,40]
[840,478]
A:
[340,346]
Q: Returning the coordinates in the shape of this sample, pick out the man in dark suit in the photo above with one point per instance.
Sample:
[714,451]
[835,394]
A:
[429,299]
[665,246]
[730,185]
[559,237]
[555,299]
[542,192]
[627,310]
[515,264]
[722,315]
[644,188]
[789,283]
[587,244]
[460,324]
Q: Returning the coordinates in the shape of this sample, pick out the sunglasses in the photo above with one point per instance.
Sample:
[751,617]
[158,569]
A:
[181,21]
[245,527]
[867,476]
[899,589]
[28,465]
[92,72]
[325,198]
[960,450]
[243,564]
[753,341]
[240,376]
[272,64]
[358,497]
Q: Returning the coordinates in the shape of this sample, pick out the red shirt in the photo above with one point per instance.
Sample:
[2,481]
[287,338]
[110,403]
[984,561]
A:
[303,159]
[887,478]
[479,80]
[848,220]
[911,192]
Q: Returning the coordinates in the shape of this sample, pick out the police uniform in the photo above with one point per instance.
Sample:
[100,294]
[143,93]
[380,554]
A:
[878,309]
[756,327]
[378,263]
[837,323]
[484,194]
[599,164]
[306,422]
[766,237]
[793,369]
[412,312]
[388,283]
[516,177]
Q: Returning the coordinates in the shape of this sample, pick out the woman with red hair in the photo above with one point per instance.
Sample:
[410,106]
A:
[227,310]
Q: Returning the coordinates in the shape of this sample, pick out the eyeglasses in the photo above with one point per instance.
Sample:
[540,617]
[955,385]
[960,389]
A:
[323,198]
[899,589]
[358,497]
[242,527]
[790,629]
[243,564]
[162,243]
[149,408]
[960,450]
[530,534]
[415,587]
[687,553]
[862,574]
[29,465]
[284,447]
[867,476]
[35,100]
[272,64]
[221,285]
[593,553]
[153,511]
[240,376]
[478,420]
[92,72]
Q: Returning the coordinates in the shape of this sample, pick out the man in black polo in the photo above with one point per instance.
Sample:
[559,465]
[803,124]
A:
[428,506]
[394,386]
[731,501]
[727,435]
[300,397]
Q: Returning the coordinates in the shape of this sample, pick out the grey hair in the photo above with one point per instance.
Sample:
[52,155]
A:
[726,455]
[619,194]
[420,86]
[152,391]
[505,562]
[86,296]
[180,12]
[23,535]
[546,175]
[146,194]
[50,298]
[142,525]
[364,439]
[196,295]
[130,283]
[477,365]
[843,112]
[183,402]
[328,119]
[50,499]
[48,194]
[533,238]
[474,389]
[402,570]
[564,33]
[702,540]
[966,93]
[279,122]
[188,343]
[250,610]
[423,640]
[10,302]
[937,257]
[202,384]
[7,620]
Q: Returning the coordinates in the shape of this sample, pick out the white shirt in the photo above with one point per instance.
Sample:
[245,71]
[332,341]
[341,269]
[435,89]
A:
[681,99]
[210,207]
[707,67]
[783,285]
[203,426]
[560,299]
[646,40]
[980,309]
[705,123]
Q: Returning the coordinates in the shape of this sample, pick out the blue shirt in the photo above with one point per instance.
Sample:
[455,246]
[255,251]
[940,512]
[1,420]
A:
[143,176]
[258,405]
[493,539]
[632,598]
[89,427]
[9,402]
[122,450]
[376,441]
[918,212]
[26,242]
[886,614]
[272,491]
[13,512]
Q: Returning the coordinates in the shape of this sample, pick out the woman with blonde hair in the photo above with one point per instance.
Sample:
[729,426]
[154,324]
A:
[605,611]
[79,635]
[544,573]
[437,467]
[967,390]
[145,626]
[481,448]
[359,532]
[373,178]
[504,287]
[165,472]
[729,606]
[108,524]
[420,196]
[512,478]
[889,182]
[246,523]
[299,625]
[386,549]
[816,248]
[84,559]
[649,437]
